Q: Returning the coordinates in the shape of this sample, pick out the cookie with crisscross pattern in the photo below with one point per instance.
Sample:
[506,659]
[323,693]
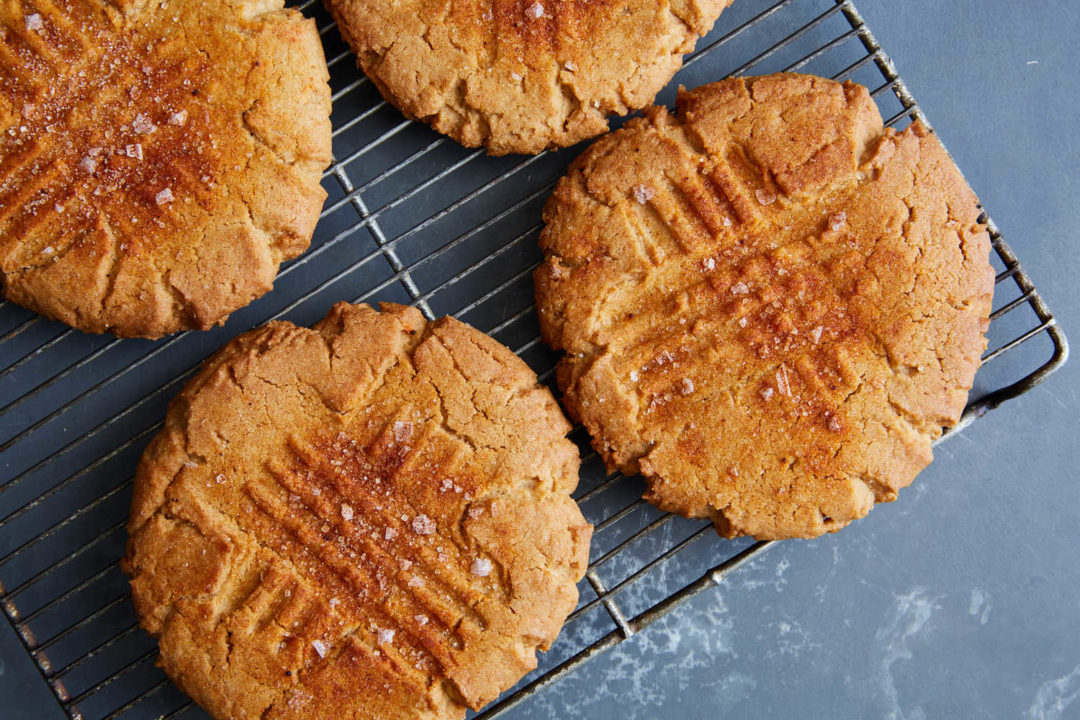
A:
[370,518]
[770,304]
[519,76]
[158,161]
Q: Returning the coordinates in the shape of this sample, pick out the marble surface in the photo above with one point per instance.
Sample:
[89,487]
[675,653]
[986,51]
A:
[962,599]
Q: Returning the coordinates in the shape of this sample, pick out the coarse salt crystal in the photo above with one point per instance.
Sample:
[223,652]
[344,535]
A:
[421,619]
[481,567]
[406,564]
[475,512]
[319,647]
[88,164]
[742,322]
[402,431]
[34,22]
[535,11]
[415,581]
[708,264]
[143,125]
[58,208]
[837,220]
[765,197]
[634,375]
[727,222]
[134,151]
[386,636]
[48,250]
[816,333]
[782,381]
[390,533]
[687,386]
[220,478]
[739,288]
[346,512]
[447,485]
[334,602]
[423,525]
[834,424]
[164,197]
[766,392]
[179,119]
[643,193]
[569,65]
[665,357]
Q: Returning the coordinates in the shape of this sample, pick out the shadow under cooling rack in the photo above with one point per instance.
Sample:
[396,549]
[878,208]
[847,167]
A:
[412,218]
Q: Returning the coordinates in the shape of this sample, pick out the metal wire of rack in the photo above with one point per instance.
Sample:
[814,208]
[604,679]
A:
[414,218]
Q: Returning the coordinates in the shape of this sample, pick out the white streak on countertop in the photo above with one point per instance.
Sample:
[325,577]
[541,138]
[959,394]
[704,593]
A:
[980,605]
[1055,696]
[907,618]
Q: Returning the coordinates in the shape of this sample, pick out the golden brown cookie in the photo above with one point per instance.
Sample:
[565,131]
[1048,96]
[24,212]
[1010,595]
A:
[366,519]
[770,305]
[519,76]
[158,161]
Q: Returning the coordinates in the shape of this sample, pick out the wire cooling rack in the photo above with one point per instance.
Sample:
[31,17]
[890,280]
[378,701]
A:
[413,218]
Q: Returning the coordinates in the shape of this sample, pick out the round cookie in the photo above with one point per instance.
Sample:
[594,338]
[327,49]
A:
[520,76]
[157,161]
[370,518]
[770,305]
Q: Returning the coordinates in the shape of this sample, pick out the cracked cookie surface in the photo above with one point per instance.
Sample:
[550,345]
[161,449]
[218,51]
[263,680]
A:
[157,161]
[520,76]
[370,518]
[770,304]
